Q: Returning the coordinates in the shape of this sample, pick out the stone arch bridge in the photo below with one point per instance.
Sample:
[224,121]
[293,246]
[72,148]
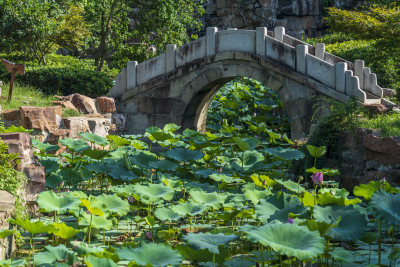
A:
[179,85]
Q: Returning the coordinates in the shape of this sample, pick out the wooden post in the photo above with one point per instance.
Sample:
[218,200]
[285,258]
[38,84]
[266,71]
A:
[11,84]
[14,69]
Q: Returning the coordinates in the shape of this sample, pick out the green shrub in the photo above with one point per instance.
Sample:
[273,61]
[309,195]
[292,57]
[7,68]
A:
[67,81]
[382,56]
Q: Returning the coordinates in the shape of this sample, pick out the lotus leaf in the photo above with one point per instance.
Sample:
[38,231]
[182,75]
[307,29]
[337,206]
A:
[189,208]
[75,145]
[92,261]
[12,263]
[166,214]
[98,222]
[155,254]
[44,147]
[208,241]
[246,143]
[292,186]
[50,201]
[262,180]
[289,239]
[94,138]
[367,190]
[119,141]
[85,249]
[351,226]
[387,207]
[342,255]
[166,165]
[214,199]
[57,254]
[114,205]
[143,160]
[285,153]
[6,233]
[256,195]
[64,231]
[93,205]
[250,160]
[153,192]
[33,227]
[316,152]
[182,154]
[223,177]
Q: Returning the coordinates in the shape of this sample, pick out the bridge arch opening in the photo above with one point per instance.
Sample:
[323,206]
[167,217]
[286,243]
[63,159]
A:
[241,102]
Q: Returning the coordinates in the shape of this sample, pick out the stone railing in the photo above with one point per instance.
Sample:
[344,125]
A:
[351,79]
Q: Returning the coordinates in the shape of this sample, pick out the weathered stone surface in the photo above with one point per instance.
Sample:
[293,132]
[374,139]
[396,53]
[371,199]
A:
[19,143]
[10,114]
[41,118]
[376,108]
[84,104]
[385,150]
[388,92]
[36,183]
[7,245]
[56,135]
[64,104]
[97,125]
[106,104]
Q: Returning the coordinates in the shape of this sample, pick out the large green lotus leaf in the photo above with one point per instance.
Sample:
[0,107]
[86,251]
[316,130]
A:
[166,165]
[6,233]
[50,163]
[166,214]
[246,143]
[124,190]
[327,198]
[204,173]
[250,160]
[321,227]
[119,141]
[285,153]
[189,208]
[33,227]
[114,205]
[218,177]
[387,207]
[256,195]
[85,249]
[59,254]
[50,202]
[171,127]
[208,241]
[316,152]
[342,255]
[182,154]
[206,187]
[95,153]
[352,223]
[203,255]
[214,199]
[154,254]
[367,190]
[64,231]
[12,263]
[143,160]
[75,145]
[98,222]
[160,136]
[290,185]
[44,147]
[119,172]
[289,239]
[92,261]
[94,138]
[153,192]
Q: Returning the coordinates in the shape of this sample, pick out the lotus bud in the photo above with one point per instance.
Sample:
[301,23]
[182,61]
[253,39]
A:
[149,236]
[254,114]
[383,180]
[290,220]
[264,182]
[62,184]
[131,199]
[220,169]
[318,178]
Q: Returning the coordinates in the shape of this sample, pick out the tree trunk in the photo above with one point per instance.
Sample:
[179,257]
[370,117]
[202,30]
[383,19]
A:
[103,43]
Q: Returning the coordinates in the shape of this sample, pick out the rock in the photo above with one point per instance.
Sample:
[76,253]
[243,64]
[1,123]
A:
[64,104]
[10,114]
[19,143]
[385,150]
[106,104]
[36,183]
[7,245]
[84,104]
[388,92]
[376,108]
[41,118]
[119,120]
[97,125]
[56,135]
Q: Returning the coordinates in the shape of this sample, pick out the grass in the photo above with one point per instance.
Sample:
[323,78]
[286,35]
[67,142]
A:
[24,96]
[388,125]
[71,113]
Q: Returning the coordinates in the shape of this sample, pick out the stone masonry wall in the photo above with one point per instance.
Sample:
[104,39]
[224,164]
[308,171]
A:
[301,18]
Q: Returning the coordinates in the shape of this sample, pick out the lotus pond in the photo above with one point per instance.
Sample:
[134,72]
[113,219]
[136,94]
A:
[183,198]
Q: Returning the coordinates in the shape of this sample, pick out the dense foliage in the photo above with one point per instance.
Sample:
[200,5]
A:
[201,199]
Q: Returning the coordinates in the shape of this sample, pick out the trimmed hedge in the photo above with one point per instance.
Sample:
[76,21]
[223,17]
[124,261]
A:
[65,81]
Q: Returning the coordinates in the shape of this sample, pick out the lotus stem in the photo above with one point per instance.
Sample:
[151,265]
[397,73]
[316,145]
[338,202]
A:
[379,241]
[90,227]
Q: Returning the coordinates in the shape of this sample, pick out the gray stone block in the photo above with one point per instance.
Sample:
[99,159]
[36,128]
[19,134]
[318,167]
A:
[301,64]
[236,41]
[131,74]
[279,32]
[211,40]
[261,33]
[341,68]
[320,51]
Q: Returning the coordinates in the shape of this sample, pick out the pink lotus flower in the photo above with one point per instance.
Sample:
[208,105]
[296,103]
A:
[290,220]
[318,178]
[254,114]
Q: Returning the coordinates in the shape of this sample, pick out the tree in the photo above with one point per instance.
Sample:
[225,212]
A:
[373,22]
[39,26]
[155,23]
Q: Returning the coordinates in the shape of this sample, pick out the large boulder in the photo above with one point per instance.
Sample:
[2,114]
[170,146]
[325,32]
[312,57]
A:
[106,104]
[84,104]
[7,245]
[41,118]
[384,150]
[10,114]
[19,143]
